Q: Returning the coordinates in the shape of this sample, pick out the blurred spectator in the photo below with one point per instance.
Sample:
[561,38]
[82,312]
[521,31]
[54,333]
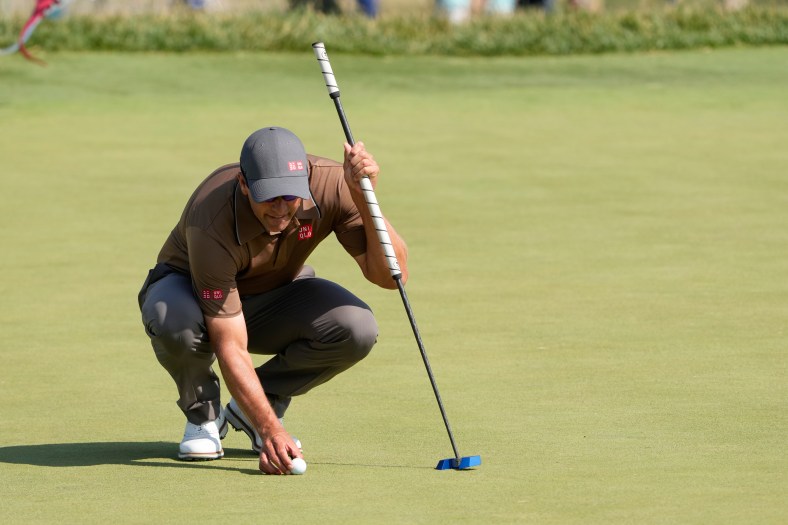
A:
[735,5]
[547,5]
[370,7]
[494,7]
[459,11]
[593,6]
[331,7]
[203,5]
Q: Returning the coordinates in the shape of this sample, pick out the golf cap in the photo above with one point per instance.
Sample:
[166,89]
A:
[274,163]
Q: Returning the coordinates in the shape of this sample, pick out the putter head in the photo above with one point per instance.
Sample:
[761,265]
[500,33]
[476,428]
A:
[464,463]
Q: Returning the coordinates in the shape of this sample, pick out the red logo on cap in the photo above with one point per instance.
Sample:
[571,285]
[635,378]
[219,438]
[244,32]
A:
[305,232]
[295,165]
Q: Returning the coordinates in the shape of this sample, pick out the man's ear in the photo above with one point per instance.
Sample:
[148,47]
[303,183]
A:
[242,182]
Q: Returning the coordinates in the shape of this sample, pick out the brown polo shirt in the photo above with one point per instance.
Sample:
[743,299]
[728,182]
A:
[227,252]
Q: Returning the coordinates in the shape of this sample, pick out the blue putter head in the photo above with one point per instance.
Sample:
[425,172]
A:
[465,462]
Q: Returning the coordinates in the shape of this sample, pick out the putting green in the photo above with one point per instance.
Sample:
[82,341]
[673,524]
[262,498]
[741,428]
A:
[599,268]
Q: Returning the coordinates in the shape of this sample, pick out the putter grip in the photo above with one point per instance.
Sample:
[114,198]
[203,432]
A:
[325,67]
[369,193]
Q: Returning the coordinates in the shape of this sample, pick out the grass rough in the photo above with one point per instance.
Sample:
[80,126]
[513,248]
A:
[528,33]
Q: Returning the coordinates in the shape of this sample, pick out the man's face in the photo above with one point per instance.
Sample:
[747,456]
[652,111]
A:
[274,215]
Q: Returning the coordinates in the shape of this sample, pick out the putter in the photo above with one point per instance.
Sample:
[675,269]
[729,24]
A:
[457,462]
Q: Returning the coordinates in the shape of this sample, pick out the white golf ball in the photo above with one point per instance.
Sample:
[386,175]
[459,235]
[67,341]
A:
[299,466]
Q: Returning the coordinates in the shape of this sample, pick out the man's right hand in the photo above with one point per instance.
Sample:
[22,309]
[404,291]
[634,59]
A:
[228,337]
[278,449]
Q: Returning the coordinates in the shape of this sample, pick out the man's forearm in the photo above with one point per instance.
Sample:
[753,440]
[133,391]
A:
[242,382]
[377,264]
[377,268]
[228,337]
[359,165]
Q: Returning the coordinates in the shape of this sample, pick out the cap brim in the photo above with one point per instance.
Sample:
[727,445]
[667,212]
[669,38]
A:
[264,189]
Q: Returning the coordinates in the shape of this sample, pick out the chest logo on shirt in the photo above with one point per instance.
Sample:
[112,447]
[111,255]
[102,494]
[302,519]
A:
[295,166]
[305,232]
[215,295]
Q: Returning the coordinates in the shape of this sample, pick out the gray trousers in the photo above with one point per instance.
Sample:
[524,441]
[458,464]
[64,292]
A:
[313,328]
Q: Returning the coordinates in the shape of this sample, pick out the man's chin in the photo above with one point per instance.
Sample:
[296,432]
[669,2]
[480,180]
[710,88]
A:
[277,227]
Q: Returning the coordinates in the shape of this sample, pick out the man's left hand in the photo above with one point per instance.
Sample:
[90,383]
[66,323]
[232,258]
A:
[359,163]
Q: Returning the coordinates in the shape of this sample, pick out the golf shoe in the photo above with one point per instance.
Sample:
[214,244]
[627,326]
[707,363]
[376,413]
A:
[240,422]
[203,441]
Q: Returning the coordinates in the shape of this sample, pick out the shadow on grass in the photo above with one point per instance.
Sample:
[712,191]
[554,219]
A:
[145,454]
[139,454]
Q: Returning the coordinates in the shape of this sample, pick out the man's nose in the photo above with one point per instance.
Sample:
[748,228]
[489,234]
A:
[279,204]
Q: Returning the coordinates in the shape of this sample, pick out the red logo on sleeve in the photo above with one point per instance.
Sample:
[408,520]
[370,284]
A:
[305,232]
[295,165]
[212,295]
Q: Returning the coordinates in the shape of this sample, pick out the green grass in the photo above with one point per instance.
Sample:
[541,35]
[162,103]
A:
[598,265]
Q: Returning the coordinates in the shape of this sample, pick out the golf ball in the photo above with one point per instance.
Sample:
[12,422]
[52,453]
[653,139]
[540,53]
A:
[299,466]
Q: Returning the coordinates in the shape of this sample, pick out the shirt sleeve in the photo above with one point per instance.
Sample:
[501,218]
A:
[213,271]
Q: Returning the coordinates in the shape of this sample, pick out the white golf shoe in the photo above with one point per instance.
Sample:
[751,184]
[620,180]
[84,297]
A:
[203,441]
[236,417]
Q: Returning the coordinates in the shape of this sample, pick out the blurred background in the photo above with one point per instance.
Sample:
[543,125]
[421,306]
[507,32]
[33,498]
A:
[384,7]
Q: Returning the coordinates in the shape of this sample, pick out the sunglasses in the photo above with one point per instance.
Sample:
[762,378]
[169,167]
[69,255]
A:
[286,198]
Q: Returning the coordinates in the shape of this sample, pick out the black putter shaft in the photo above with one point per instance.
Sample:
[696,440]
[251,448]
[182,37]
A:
[333,91]
[415,328]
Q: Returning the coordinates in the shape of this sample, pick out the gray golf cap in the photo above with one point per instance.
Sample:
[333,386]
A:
[274,163]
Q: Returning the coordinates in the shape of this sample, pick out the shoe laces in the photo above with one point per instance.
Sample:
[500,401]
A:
[210,428]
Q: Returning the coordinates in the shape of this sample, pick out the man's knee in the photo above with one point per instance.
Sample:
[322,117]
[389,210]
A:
[360,329]
[172,330]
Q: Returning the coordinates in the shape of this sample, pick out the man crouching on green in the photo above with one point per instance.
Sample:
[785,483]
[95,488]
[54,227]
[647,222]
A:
[230,280]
